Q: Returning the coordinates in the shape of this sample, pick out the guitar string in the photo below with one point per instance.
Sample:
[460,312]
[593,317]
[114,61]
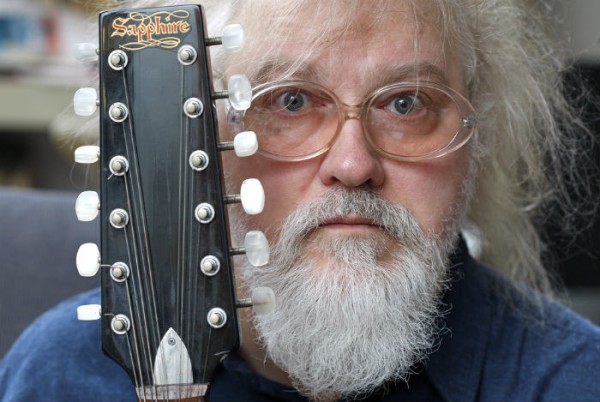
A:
[195,276]
[207,281]
[193,272]
[137,373]
[132,248]
[182,261]
[205,284]
[183,253]
[210,328]
[190,192]
[142,220]
[191,253]
[191,228]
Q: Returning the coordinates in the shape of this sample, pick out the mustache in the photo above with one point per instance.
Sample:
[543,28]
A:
[340,202]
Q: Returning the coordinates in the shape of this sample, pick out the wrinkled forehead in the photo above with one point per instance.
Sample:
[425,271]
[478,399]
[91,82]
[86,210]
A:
[284,38]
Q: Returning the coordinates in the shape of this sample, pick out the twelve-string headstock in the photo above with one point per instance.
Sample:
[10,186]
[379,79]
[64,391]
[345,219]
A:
[168,294]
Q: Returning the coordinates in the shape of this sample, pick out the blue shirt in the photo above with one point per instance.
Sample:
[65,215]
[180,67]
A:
[499,345]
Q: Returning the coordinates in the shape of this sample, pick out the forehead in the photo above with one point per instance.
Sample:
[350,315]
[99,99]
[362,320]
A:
[366,40]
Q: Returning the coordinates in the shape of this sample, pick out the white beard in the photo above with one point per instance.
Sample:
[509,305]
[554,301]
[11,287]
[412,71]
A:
[368,314]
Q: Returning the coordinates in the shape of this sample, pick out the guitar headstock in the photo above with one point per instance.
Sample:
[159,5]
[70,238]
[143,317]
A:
[169,310]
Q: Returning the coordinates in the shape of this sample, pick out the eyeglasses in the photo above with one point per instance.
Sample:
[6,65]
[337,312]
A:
[299,120]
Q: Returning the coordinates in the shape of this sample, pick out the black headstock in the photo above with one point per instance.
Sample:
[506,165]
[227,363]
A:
[168,297]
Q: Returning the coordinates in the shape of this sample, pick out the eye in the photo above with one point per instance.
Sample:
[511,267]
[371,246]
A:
[405,104]
[293,101]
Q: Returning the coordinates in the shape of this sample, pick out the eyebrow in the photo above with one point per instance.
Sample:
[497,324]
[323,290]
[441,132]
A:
[274,70]
[423,71]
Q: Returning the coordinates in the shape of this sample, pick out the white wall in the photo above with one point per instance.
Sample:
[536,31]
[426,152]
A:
[582,24]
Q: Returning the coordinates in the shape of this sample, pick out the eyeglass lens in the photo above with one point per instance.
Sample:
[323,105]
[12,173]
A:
[299,119]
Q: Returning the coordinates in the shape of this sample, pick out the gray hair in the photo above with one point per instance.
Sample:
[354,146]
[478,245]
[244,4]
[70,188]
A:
[531,150]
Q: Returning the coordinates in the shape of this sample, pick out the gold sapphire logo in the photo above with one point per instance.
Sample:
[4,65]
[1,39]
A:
[159,29]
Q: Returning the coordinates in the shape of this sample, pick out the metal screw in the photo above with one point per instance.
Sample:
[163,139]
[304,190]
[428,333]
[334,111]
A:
[199,160]
[119,218]
[204,213]
[118,165]
[193,107]
[117,60]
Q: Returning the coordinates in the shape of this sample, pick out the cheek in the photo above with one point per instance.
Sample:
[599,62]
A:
[431,191]
[286,185]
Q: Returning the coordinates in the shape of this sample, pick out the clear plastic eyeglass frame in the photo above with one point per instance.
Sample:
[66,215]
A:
[458,133]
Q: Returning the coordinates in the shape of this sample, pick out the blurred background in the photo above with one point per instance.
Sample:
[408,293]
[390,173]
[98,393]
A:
[38,76]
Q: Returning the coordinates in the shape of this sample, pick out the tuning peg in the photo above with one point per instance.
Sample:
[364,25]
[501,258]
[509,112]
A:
[87,206]
[88,260]
[245,144]
[256,247]
[252,196]
[85,52]
[232,37]
[87,154]
[89,312]
[85,101]
[263,300]
[239,92]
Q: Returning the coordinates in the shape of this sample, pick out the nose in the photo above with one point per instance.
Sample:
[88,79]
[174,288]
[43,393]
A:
[350,161]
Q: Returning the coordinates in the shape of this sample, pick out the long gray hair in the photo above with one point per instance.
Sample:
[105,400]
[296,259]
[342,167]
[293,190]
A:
[532,149]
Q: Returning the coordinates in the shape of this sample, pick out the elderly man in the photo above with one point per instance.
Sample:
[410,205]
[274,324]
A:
[389,132]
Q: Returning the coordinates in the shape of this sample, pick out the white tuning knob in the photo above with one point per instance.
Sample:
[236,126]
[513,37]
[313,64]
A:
[85,52]
[263,300]
[245,144]
[240,92]
[232,37]
[84,101]
[89,312]
[87,206]
[87,154]
[252,196]
[88,259]
[257,248]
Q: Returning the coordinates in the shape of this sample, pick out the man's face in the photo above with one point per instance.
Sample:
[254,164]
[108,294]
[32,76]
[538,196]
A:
[353,66]
[358,291]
